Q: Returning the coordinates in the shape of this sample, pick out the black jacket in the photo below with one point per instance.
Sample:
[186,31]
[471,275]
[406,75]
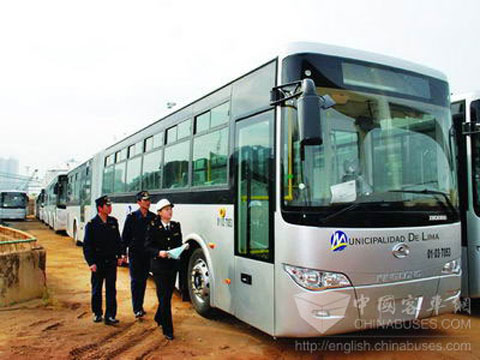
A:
[158,238]
[134,231]
[102,241]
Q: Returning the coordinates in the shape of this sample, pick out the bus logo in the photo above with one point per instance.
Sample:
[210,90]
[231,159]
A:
[437,218]
[339,241]
[400,251]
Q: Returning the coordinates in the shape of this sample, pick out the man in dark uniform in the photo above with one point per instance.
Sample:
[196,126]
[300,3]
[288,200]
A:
[103,252]
[164,235]
[133,238]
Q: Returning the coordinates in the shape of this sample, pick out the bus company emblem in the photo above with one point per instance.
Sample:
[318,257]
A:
[222,212]
[222,219]
[400,251]
[338,241]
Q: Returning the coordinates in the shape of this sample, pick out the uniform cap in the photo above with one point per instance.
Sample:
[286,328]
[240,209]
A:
[143,195]
[103,200]
[162,203]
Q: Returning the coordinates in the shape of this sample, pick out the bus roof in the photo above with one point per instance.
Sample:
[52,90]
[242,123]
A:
[333,50]
[298,48]
[473,95]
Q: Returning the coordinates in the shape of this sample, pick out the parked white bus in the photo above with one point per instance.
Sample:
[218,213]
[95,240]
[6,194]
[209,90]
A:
[317,192]
[466,119]
[54,210]
[13,205]
[79,199]
[40,204]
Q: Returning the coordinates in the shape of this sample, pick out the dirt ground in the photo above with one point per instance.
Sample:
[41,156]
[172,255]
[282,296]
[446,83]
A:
[60,326]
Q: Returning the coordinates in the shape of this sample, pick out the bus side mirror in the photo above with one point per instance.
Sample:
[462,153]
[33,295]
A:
[55,189]
[309,107]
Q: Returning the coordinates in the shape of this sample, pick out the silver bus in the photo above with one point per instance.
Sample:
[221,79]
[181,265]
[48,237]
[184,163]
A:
[40,204]
[79,210]
[466,119]
[317,192]
[13,205]
[54,210]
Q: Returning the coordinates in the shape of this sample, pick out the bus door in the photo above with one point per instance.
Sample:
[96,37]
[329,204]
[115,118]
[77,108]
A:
[459,118]
[84,191]
[254,268]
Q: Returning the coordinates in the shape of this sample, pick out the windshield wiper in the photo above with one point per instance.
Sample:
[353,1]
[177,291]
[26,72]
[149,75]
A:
[447,201]
[339,212]
[348,208]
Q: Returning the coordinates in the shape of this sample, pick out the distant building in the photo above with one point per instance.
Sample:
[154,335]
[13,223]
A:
[9,174]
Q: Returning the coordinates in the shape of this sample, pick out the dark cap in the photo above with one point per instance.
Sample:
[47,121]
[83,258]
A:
[103,200]
[143,195]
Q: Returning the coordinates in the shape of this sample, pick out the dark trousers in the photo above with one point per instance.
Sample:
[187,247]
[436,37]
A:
[165,282]
[105,272]
[139,265]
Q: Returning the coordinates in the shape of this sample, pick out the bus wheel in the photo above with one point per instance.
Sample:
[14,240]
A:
[199,283]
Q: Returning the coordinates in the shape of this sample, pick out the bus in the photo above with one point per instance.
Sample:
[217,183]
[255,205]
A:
[13,205]
[317,192]
[79,200]
[39,205]
[54,213]
[466,119]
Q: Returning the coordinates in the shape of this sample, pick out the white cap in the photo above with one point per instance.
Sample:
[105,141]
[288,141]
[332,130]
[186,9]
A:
[162,203]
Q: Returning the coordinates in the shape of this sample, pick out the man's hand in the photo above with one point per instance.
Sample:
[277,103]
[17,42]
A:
[163,254]
[93,268]
[121,260]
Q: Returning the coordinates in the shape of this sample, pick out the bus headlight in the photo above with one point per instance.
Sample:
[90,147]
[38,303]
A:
[315,279]
[452,267]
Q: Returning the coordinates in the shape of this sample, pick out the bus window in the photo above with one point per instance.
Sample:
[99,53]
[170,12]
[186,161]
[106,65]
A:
[152,170]
[210,153]
[176,165]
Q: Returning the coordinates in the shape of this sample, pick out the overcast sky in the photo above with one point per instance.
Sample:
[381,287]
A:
[77,76]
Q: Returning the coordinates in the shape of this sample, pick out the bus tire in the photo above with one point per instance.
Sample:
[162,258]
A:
[198,281]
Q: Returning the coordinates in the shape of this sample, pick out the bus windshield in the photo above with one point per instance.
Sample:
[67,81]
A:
[372,147]
[13,200]
[475,117]
[379,152]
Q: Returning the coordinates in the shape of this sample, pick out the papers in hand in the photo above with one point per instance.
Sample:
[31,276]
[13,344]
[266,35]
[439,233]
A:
[175,253]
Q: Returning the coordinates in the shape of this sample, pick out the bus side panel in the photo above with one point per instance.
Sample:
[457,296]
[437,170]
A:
[60,222]
[73,221]
[215,227]
[81,225]
[473,255]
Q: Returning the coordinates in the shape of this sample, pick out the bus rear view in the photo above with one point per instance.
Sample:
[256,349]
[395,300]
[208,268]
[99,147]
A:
[368,232]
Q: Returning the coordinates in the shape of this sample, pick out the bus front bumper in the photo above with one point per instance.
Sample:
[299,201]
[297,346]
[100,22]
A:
[334,311]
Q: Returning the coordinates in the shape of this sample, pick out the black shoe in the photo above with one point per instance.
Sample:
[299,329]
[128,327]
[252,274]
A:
[111,321]
[139,314]
[169,337]
[97,318]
